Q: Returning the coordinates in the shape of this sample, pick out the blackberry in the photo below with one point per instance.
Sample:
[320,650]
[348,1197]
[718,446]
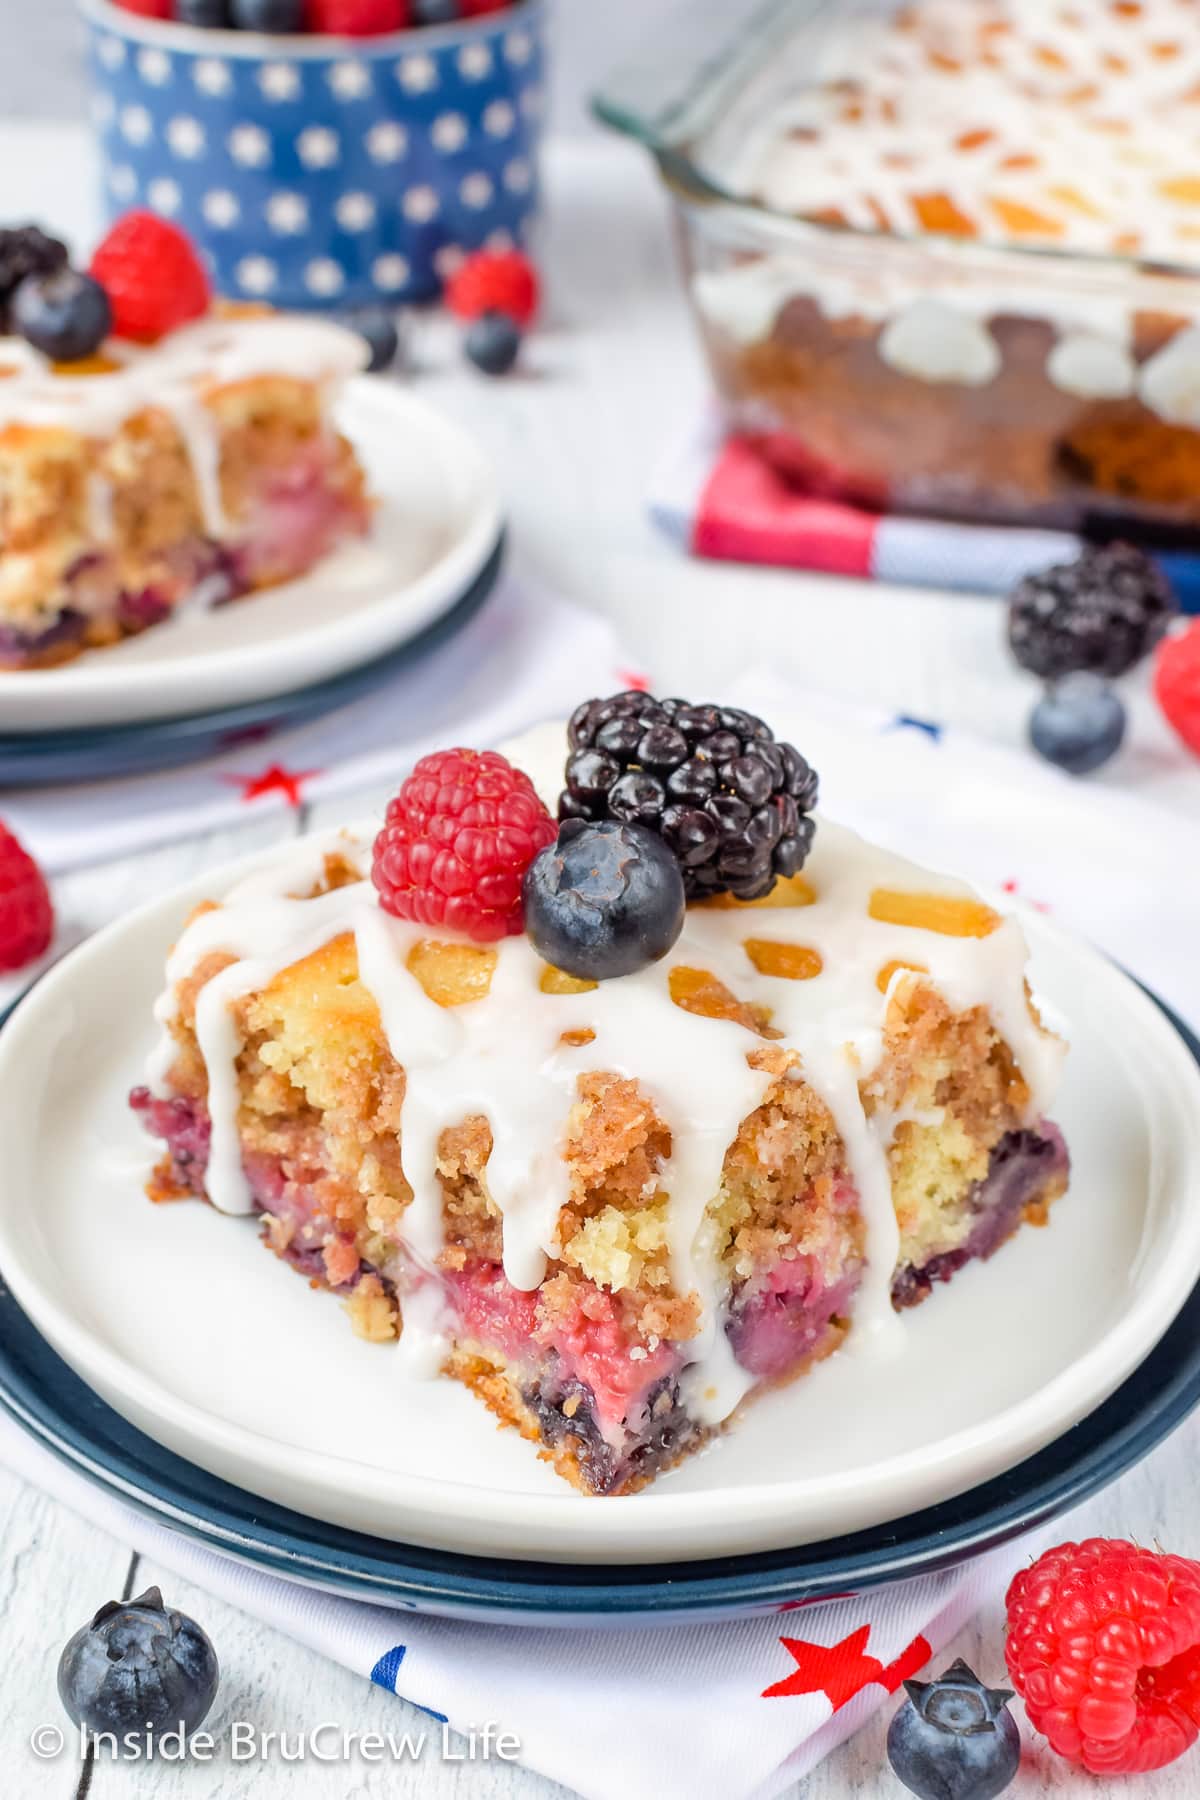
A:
[25,250]
[1098,615]
[731,804]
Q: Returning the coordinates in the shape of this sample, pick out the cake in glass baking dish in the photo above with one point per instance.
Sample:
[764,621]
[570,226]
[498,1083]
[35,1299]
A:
[157,448]
[620,1118]
[945,254]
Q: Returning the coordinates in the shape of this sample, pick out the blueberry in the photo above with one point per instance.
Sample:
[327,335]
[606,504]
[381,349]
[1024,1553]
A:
[954,1738]
[435,12]
[138,1666]
[492,342]
[268,15]
[65,315]
[1078,724]
[377,325]
[605,900]
[212,14]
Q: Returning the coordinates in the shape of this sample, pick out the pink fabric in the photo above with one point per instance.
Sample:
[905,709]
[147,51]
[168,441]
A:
[747,513]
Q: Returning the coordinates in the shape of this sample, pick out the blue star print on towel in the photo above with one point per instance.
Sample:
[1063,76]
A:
[907,722]
[385,1672]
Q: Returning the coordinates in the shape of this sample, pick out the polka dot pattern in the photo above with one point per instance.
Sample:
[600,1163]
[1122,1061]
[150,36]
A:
[329,180]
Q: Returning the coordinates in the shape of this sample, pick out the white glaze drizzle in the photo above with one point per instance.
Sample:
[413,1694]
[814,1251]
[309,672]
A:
[175,376]
[502,1056]
[1082,112]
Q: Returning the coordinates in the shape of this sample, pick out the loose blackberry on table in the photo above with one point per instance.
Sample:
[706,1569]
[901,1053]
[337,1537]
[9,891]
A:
[730,802]
[1100,614]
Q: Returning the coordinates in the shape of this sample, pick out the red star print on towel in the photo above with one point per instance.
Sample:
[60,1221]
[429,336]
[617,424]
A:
[839,1671]
[1014,887]
[274,779]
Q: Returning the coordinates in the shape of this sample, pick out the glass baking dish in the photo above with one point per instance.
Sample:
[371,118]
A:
[906,366]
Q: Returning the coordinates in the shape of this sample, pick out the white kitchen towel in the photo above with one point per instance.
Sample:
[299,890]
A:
[521,658]
[727,1711]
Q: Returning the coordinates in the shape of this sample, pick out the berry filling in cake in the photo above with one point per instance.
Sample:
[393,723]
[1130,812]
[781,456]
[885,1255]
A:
[579,1123]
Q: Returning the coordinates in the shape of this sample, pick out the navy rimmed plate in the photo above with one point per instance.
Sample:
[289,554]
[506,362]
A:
[98,753]
[65,1415]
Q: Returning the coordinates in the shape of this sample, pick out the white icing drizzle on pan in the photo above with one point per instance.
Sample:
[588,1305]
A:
[175,376]
[502,1056]
[1070,125]
[1081,113]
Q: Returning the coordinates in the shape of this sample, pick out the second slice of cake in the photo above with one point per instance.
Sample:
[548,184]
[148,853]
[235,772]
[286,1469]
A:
[615,1206]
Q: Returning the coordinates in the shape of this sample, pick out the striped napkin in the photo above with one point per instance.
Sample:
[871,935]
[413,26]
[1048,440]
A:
[715,497]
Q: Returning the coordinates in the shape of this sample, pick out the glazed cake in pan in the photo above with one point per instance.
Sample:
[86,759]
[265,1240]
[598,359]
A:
[193,470]
[918,358]
[615,1210]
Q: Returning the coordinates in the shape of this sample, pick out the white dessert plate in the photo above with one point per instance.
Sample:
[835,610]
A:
[437,522]
[189,1329]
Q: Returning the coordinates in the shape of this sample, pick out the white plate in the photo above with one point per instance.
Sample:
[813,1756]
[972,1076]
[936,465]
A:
[437,523]
[183,1323]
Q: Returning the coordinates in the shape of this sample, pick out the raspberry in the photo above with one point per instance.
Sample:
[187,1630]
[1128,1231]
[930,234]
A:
[1177,683]
[152,275]
[358,18]
[26,915]
[500,281]
[147,9]
[1099,614]
[457,841]
[475,9]
[1104,1646]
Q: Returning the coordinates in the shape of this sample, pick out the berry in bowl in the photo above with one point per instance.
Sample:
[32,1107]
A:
[323,152]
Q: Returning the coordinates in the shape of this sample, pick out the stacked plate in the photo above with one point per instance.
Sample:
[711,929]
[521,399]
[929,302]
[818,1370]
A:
[199,682]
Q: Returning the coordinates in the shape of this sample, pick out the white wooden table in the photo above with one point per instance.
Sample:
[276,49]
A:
[609,378]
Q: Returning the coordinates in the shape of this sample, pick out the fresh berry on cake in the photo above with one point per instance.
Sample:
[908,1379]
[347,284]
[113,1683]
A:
[618,1120]
[156,448]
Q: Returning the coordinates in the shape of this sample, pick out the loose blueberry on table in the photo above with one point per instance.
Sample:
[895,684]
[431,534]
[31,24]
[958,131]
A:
[1078,724]
[1097,616]
[954,1738]
[492,342]
[378,328]
[139,1667]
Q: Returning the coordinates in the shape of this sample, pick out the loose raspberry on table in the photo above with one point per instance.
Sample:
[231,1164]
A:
[358,18]
[456,842]
[500,281]
[26,913]
[153,276]
[1177,683]
[1104,1647]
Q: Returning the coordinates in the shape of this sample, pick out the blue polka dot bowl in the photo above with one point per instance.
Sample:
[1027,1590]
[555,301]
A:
[321,171]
